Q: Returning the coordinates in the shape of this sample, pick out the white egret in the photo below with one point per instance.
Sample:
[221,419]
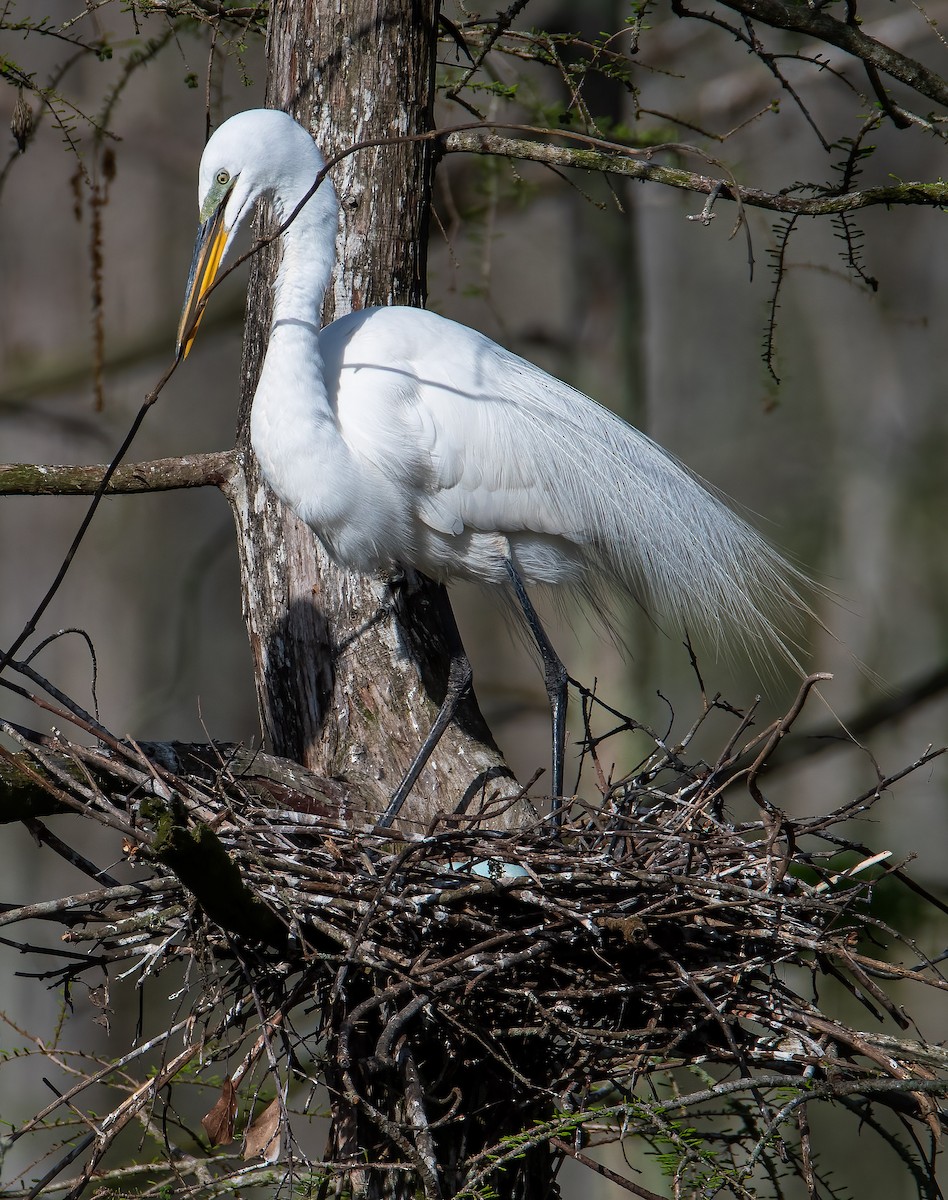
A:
[408,442]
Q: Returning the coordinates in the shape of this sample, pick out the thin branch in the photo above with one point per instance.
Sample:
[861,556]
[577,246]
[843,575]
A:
[817,23]
[627,1185]
[30,627]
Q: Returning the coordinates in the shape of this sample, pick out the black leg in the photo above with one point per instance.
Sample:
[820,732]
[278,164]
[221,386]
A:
[556,680]
[459,684]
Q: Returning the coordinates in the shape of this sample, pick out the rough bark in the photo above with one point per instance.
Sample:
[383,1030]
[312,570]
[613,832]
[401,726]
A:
[344,687]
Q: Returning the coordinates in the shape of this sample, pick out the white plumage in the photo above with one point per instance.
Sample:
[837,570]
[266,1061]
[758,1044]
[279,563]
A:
[407,441]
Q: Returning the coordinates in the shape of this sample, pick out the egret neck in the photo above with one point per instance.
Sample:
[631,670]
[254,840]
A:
[293,426]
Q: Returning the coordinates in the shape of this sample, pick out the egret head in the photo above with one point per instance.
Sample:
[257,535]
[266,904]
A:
[253,154]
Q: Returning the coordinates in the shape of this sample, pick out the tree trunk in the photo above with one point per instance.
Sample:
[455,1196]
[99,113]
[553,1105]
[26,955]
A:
[344,686]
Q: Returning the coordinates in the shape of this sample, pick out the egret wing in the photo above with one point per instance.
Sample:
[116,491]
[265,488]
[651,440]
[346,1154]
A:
[481,440]
[436,407]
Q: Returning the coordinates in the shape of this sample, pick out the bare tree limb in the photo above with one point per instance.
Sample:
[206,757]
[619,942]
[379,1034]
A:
[617,160]
[159,475]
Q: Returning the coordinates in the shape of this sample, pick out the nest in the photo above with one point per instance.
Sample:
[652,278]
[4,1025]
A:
[648,976]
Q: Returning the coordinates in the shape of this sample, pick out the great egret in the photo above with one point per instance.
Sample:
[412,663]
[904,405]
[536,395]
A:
[409,442]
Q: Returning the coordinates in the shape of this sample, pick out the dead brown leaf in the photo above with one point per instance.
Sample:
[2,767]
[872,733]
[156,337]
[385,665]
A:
[263,1136]
[219,1122]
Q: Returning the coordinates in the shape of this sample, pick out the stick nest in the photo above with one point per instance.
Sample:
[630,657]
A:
[654,972]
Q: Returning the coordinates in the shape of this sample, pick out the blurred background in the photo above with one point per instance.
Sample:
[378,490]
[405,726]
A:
[604,283]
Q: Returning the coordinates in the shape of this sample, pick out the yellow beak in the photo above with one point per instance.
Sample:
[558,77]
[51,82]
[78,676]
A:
[208,251]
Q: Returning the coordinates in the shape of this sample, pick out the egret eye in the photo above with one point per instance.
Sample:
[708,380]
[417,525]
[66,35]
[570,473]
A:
[223,177]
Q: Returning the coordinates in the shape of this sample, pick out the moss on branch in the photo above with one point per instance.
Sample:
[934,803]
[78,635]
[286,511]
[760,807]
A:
[197,857]
[162,474]
[23,795]
[638,165]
